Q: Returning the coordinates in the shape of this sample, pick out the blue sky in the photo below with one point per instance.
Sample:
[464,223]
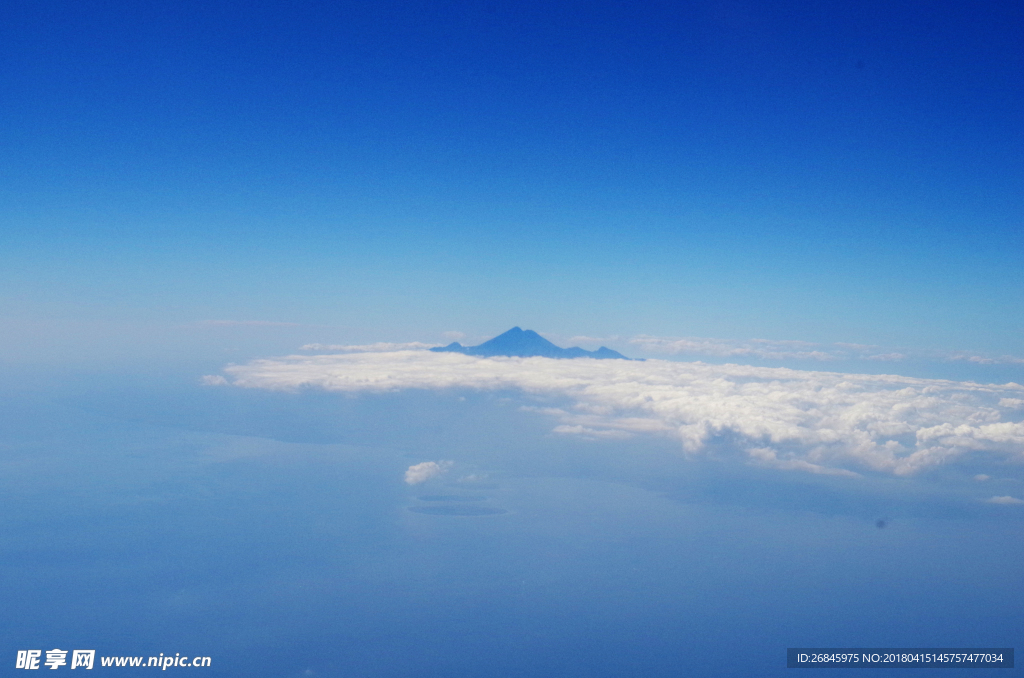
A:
[392,171]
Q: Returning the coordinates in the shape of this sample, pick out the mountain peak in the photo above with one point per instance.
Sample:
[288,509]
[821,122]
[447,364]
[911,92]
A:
[526,344]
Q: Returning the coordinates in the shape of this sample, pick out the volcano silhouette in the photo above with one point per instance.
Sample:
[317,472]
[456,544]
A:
[526,344]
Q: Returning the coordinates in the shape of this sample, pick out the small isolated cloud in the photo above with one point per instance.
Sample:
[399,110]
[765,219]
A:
[981,477]
[248,323]
[770,349]
[887,357]
[379,347]
[213,380]
[733,348]
[814,421]
[454,336]
[584,339]
[588,432]
[985,360]
[1005,500]
[421,473]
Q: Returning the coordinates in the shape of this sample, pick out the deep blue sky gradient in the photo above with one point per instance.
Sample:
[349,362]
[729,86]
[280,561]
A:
[832,172]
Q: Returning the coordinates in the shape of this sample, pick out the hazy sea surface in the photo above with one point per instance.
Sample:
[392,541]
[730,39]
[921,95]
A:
[274,533]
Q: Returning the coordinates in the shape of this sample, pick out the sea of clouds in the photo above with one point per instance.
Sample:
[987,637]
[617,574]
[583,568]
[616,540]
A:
[822,422]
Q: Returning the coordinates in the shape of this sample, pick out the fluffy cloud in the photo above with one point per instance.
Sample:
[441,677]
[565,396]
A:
[823,422]
[421,473]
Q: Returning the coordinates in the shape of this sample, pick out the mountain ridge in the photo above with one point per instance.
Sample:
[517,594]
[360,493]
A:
[521,343]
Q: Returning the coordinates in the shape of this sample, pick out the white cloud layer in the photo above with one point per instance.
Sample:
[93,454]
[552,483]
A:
[421,473]
[823,422]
